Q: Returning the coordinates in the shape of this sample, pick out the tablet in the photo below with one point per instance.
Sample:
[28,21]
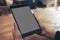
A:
[26,22]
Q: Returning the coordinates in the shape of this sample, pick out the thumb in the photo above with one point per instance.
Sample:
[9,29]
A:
[16,34]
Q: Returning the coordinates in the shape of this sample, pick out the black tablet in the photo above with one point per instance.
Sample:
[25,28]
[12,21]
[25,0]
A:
[26,22]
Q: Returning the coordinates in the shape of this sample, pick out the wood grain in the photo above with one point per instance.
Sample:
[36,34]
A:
[6,27]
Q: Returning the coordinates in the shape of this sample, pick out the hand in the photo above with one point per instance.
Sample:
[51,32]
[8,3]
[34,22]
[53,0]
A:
[46,31]
[16,34]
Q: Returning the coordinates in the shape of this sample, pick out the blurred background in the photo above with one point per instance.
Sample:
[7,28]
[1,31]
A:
[7,20]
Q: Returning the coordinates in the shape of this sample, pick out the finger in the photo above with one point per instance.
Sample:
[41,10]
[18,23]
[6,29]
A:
[17,35]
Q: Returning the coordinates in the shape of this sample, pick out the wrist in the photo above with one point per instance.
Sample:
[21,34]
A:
[49,33]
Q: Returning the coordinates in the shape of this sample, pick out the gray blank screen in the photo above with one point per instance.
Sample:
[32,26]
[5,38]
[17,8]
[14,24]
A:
[25,19]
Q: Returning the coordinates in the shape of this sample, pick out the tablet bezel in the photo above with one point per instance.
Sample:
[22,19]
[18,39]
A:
[16,6]
[38,31]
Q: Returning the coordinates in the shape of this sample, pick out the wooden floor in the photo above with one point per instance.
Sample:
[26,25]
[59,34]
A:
[7,29]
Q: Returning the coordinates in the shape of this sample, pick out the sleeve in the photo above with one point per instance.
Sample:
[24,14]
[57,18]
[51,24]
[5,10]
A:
[57,36]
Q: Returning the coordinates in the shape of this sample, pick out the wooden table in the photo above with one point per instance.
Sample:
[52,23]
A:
[6,27]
